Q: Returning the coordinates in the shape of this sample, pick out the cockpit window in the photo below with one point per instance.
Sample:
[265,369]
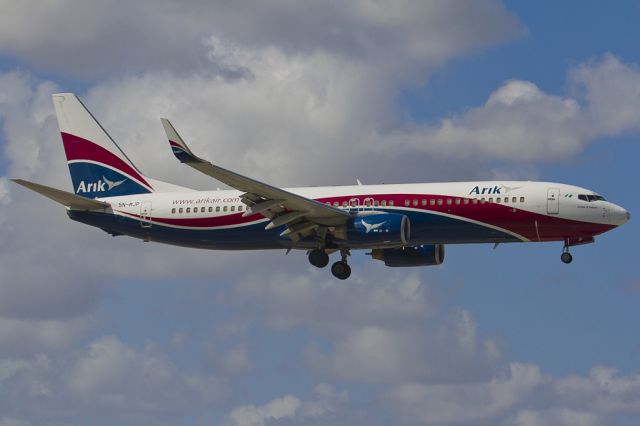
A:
[591,197]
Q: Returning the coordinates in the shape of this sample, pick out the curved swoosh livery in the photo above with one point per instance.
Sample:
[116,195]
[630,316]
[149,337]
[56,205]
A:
[402,225]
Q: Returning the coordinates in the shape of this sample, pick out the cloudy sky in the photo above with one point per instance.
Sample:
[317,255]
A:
[101,331]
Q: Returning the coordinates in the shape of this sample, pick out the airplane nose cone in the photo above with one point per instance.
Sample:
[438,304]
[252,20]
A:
[620,216]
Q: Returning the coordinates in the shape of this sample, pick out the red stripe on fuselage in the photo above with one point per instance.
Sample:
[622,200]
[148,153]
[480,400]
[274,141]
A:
[505,216]
[204,222]
[77,148]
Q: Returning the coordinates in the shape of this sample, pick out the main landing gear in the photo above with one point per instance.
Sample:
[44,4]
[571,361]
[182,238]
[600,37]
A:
[340,269]
[318,258]
[566,256]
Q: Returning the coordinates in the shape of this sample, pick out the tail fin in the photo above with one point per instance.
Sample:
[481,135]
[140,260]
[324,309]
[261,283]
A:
[98,167]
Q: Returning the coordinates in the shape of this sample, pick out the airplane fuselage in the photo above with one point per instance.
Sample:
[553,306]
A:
[439,213]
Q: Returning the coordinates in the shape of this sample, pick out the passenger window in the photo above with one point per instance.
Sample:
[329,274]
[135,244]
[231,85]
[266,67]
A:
[506,199]
[384,203]
[458,201]
[439,201]
[367,203]
[407,202]
[202,210]
[217,208]
[482,200]
[188,209]
[415,203]
[224,209]
[233,208]
[491,199]
[210,209]
[522,199]
[475,201]
[449,201]
[354,203]
[432,202]
[173,211]
[424,202]
[336,204]
[180,210]
[466,201]
[514,199]
[391,202]
[240,208]
[498,200]
[376,203]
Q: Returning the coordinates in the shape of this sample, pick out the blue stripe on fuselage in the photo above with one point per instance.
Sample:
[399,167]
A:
[426,228]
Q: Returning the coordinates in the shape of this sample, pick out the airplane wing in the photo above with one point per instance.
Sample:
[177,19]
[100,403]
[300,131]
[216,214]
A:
[65,198]
[301,215]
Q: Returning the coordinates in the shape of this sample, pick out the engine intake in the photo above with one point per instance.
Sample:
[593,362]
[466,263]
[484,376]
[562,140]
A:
[423,255]
[383,228]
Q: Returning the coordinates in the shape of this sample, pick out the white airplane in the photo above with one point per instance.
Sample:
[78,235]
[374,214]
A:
[402,225]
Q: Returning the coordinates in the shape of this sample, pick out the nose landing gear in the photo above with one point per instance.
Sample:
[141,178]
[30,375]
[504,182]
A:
[566,256]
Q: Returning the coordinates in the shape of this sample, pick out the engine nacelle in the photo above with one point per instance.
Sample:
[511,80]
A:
[383,228]
[423,255]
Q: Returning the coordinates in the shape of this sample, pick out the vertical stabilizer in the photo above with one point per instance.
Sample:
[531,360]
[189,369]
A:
[98,167]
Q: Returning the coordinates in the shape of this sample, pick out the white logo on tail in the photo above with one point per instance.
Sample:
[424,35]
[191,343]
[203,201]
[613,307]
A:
[371,227]
[112,184]
[99,186]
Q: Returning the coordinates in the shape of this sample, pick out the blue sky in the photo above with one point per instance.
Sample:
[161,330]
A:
[102,330]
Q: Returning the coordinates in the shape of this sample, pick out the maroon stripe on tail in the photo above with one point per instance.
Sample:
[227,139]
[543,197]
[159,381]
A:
[77,148]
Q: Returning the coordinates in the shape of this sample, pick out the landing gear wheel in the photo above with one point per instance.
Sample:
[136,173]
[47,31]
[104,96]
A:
[341,270]
[318,258]
[566,257]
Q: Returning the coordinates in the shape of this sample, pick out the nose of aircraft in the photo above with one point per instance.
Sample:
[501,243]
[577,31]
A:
[619,215]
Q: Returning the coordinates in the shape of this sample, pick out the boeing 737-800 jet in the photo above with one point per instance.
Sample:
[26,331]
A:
[401,225]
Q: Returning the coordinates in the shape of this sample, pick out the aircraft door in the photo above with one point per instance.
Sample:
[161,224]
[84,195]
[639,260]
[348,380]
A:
[368,204]
[553,201]
[145,214]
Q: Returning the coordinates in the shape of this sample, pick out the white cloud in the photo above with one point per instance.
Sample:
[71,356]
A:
[604,391]
[72,36]
[468,402]
[519,122]
[287,300]
[109,379]
[325,402]
[236,361]
[555,417]
[20,337]
[449,352]
[276,409]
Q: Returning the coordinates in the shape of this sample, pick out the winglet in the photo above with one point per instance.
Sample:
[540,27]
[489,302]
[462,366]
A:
[178,147]
[65,198]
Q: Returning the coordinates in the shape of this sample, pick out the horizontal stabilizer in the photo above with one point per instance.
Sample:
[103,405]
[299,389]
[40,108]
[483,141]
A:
[63,197]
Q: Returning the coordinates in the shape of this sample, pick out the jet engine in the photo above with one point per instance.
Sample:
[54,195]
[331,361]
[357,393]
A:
[423,255]
[383,228]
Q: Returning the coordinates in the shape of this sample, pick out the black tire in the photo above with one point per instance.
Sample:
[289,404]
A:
[341,270]
[318,258]
[566,257]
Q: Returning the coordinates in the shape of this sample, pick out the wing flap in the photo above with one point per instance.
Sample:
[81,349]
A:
[65,198]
